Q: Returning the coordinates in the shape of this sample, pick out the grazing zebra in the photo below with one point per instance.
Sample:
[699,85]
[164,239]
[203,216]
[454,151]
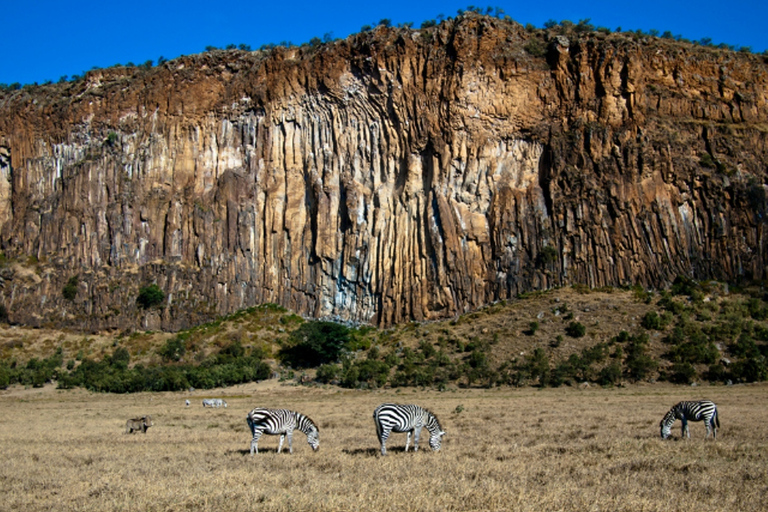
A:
[281,422]
[691,411]
[214,402]
[406,418]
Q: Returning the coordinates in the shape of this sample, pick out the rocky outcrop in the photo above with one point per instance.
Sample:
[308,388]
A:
[396,175]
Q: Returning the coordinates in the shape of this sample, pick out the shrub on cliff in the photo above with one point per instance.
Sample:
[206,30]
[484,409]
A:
[150,296]
[70,289]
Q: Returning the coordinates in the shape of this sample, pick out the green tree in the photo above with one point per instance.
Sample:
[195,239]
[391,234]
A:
[173,349]
[150,296]
[575,330]
[327,373]
[70,289]
[638,363]
[316,343]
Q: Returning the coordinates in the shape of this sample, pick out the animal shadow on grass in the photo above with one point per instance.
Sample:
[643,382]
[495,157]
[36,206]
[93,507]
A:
[372,452]
[247,451]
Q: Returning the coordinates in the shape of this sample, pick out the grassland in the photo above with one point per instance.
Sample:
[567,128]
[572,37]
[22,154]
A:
[506,449]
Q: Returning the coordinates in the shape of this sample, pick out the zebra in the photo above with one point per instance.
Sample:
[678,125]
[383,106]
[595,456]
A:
[281,422]
[406,418]
[691,411]
[214,402]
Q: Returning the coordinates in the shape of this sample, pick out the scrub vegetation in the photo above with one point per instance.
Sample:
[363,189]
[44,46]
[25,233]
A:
[691,333]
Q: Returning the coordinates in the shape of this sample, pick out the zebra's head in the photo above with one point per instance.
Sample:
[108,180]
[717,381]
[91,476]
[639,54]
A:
[435,440]
[665,425]
[313,438]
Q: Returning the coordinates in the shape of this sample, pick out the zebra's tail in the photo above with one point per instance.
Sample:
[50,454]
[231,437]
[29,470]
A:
[378,423]
[717,418]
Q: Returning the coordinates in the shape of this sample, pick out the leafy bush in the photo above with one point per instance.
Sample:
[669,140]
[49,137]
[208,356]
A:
[745,347]
[427,349]
[610,374]
[366,373]
[37,371]
[753,369]
[5,376]
[696,350]
[667,303]
[652,321]
[682,373]
[575,330]
[535,48]
[69,291]
[150,296]
[534,368]
[638,363]
[683,285]
[316,343]
[173,349]
[327,373]
[120,358]
[113,376]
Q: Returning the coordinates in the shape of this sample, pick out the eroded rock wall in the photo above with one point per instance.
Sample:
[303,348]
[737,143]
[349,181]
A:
[397,175]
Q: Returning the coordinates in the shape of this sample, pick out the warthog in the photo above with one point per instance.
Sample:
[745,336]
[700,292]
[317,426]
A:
[136,424]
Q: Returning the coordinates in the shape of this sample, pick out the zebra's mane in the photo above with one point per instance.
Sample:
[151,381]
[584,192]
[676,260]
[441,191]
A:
[670,417]
[300,418]
[437,420]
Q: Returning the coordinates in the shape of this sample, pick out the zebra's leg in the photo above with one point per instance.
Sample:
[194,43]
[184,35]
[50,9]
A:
[383,440]
[255,441]
[686,431]
[407,439]
[290,441]
[280,444]
[711,427]
[416,434]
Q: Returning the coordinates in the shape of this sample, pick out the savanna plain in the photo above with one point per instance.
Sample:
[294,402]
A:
[506,449]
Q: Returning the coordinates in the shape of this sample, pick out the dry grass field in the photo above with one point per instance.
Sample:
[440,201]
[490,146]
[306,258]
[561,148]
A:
[505,449]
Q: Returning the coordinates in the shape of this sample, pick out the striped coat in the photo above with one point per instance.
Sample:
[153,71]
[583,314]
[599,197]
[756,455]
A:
[281,422]
[406,418]
[702,410]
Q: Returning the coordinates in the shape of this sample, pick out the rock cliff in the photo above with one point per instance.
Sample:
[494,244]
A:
[396,175]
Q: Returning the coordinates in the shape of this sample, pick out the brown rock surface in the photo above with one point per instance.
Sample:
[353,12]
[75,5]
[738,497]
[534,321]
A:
[395,175]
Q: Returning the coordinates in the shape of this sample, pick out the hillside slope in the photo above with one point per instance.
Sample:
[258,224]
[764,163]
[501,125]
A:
[699,332]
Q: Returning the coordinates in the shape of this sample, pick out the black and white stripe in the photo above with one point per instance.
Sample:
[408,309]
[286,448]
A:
[406,418]
[281,422]
[691,411]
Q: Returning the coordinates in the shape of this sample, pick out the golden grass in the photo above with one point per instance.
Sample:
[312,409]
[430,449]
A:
[508,449]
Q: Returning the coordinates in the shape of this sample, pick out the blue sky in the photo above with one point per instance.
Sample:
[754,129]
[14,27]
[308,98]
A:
[44,40]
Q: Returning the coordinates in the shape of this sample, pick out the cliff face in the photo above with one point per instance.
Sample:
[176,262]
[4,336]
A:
[397,175]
